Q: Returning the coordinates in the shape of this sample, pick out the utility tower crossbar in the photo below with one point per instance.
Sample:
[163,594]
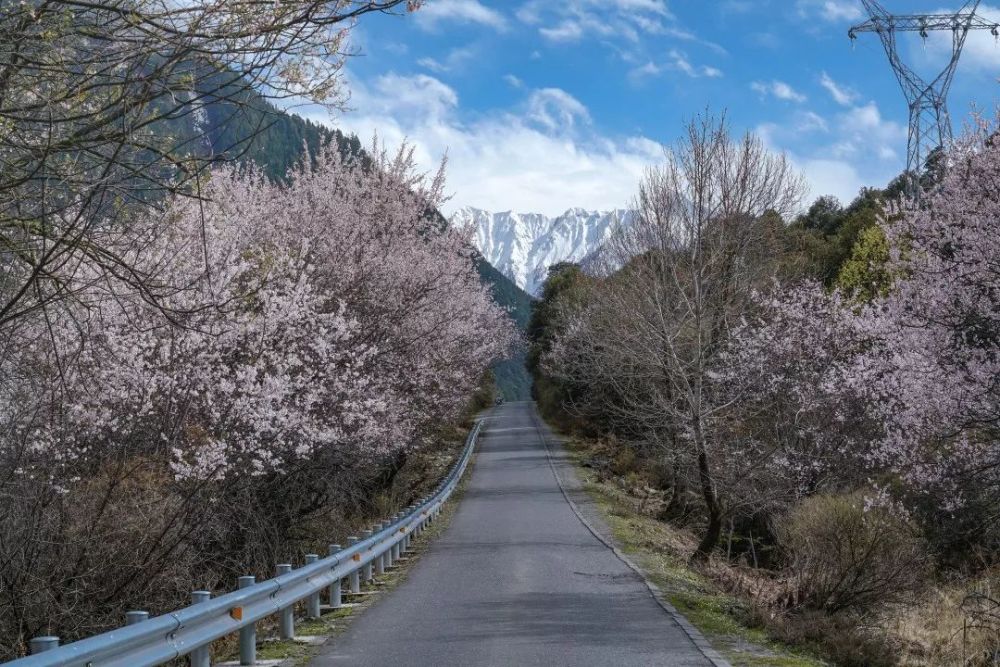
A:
[930,125]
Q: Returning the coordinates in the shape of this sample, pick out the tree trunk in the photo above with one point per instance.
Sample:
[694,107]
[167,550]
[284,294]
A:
[678,505]
[714,529]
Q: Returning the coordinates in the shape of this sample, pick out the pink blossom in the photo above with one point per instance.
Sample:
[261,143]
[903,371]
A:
[328,319]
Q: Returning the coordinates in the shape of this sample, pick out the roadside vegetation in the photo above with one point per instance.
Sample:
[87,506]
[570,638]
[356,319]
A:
[807,402]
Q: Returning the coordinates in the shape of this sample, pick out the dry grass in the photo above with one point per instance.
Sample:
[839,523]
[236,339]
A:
[940,631]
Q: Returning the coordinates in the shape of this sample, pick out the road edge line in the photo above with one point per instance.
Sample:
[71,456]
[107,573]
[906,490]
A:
[693,633]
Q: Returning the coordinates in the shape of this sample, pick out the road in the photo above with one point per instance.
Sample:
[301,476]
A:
[515,579]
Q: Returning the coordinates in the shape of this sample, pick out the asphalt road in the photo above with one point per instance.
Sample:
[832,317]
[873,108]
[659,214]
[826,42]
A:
[516,579]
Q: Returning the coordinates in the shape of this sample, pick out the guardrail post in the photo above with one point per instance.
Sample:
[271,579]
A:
[410,532]
[380,559]
[367,573]
[335,586]
[395,547]
[43,644]
[390,553]
[133,617]
[286,616]
[313,604]
[248,635]
[355,574]
[201,656]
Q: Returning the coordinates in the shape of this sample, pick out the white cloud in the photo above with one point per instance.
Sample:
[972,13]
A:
[555,109]
[544,155]
[841,94]
[831,177]
[513,81]
[455,59]
[824,175]
[421,94]
[864,130]
[840,10]
[530,13]
[810,121]
[778,89]
[648,69]
[652,6]
[566,31]
[831,10]
[619,21]
[432,64]
[655,26]
[460,11]
[982,50]
[861,148]
[679,61]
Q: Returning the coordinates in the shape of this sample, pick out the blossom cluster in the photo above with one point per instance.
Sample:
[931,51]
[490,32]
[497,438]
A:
[327,319]
[907,384]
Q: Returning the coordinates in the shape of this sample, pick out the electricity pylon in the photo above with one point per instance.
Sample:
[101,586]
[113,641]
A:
[930,126]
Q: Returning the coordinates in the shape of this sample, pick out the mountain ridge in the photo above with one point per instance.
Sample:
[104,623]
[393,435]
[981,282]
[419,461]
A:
[522,246]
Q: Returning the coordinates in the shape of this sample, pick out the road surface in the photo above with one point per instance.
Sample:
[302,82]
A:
[515,579]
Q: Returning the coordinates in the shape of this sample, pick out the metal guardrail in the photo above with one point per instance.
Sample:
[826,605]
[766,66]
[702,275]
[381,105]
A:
[190,631]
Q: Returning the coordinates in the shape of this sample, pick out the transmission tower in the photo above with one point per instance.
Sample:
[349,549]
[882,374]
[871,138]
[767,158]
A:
[930,126]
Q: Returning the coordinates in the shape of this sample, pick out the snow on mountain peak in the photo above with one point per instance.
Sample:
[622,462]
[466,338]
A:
[524,245]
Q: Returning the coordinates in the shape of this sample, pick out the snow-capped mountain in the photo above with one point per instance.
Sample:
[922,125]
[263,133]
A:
[524,245]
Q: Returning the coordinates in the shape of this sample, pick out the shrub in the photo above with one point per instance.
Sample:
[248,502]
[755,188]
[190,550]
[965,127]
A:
[625,460]
[845,556]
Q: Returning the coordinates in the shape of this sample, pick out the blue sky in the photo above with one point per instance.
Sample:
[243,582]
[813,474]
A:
[543,105]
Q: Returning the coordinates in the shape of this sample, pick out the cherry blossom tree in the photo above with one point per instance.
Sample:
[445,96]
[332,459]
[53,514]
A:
[904,384]
[795,423]
[319,329]
[935,374]
[104,114]
[329,313]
